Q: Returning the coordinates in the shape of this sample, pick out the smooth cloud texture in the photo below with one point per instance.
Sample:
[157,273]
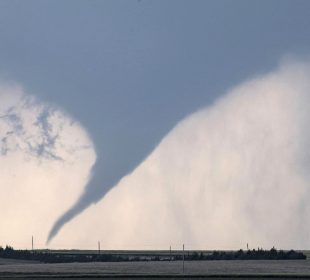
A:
[233,173]
[45,161]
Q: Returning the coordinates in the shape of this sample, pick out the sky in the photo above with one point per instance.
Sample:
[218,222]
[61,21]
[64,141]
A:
[129,71]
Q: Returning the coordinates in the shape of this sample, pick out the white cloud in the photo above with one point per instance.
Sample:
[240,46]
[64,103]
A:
[45,160]
[233,173]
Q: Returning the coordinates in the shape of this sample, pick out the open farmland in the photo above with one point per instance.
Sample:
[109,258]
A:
[5,261]
[289,269]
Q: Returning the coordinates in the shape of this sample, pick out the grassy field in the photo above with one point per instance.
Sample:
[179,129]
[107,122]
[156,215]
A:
[236,269]
[15,262]
[293,268]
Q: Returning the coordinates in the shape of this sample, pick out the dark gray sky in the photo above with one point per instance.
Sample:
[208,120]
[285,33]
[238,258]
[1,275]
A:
[130,70]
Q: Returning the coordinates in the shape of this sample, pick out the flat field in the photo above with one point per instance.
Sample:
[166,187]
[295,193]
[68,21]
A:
[233,269]
[15,262]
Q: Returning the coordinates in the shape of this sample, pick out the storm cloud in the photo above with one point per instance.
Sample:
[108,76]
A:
[45,161]
[233,173]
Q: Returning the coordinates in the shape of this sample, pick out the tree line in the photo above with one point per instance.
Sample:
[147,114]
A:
[47,256]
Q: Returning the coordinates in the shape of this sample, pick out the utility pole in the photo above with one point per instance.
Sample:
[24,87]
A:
[247,246]
[170,254]
[183,258]
[99,247]
[32,243]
